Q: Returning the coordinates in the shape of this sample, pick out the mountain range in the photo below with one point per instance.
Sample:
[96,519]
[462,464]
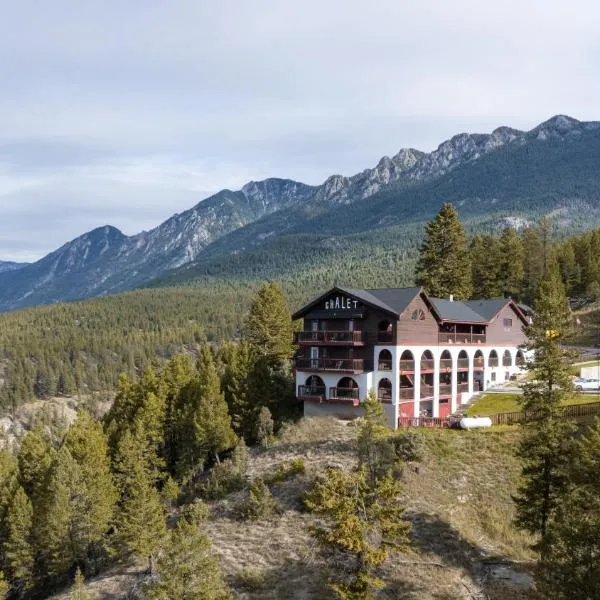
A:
[275,226]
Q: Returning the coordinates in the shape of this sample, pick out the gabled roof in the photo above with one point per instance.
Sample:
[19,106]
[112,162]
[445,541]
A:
[488,309]
[456,311]
[391,300]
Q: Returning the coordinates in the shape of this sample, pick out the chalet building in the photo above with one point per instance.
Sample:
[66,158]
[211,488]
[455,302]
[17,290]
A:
[423,356]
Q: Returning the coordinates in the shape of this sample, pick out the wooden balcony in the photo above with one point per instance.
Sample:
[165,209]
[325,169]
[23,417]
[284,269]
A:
[344,395]
[426,391]
[445,390]
[407,366]
[314,394]
[461,338]
[407,393]
[506,361]
[384,365]
[492,362]
[478,364]
[385,337]
[462,363]
[384,395]
[340,365]
[445,364]
[427,365]
[462,388]
[330,338]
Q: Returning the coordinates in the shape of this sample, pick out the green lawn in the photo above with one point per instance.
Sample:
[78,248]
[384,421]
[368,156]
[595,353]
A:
[492,404]
[576,368]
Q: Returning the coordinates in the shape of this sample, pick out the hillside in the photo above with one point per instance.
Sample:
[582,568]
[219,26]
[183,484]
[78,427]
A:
[459,504]
[277,227]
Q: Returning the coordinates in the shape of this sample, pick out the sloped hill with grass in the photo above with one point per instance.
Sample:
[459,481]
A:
[458,499]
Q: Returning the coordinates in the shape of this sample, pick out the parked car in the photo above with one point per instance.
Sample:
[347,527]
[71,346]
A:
[586,384]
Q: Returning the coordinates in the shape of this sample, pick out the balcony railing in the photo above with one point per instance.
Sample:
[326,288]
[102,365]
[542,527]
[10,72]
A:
[462,387]
[461,338]
[445,389]
[426,391]
[520,362]
[330,338]
[462,363]
[350,365]
[492,362]
[478,364]
[314,393]
[445,363]
[385,365]
[384,395]
[407,393]
[506,361]
[407,365]
[350,395]
[427,365]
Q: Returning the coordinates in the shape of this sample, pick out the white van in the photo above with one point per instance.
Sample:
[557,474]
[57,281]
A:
[586,384]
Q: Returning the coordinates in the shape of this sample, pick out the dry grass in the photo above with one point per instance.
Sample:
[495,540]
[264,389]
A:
[458,500]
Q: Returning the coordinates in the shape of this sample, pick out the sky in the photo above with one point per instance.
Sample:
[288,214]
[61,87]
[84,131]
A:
[124,112]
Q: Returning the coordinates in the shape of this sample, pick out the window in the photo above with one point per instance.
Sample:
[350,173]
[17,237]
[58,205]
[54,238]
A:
[418,315]
[507,324]
[415,315]
[493,376]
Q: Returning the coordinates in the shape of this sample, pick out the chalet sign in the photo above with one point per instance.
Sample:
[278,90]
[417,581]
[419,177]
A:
[341,303]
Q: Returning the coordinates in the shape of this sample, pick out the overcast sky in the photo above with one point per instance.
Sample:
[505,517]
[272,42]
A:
[124,112]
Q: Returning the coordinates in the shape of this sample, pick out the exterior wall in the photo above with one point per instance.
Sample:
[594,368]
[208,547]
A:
[590,372]
[496,334]
[417,332]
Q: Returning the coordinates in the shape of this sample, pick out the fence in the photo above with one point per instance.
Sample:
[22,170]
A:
[571,411]
[433,422]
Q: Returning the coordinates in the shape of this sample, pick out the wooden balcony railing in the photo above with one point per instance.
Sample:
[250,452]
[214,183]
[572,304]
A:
[351,395]
[350,365]
[426,391]
[385,365]
[316,393]
[445,363]
[384,395]
[506,361]
[407,393]
[462,363]
[330,338]
[407,365]
[461,338]
[445,389]
[492,362]
[427,365]
[478,364]
[462,387]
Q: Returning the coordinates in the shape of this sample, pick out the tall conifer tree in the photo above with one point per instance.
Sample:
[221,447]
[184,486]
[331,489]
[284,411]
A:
[546,446]
[511,263]
[443,266]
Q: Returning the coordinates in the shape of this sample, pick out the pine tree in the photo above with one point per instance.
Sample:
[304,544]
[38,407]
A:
[546,445]
[141,517]
[60,539]
[511,264]
[4,587]
[34,459]
[486,264]
[17,548]
[269,325]
[364,523]
[78,591]
[443,266]
[533,264]
[88,446]
[188,567]
[375,452]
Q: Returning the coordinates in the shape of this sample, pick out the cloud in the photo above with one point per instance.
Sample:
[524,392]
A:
[123,111]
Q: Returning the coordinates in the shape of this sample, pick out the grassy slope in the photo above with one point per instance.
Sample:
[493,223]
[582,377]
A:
[458,498]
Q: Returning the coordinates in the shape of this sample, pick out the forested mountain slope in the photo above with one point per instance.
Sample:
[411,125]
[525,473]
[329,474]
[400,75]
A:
[269,228]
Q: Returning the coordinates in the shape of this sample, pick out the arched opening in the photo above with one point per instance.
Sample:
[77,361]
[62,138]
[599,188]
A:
[314,387]
[384,390]
[445,374]
[506,359]
[462,374]
[520,359]
[385,332]
[385,360]
[427,366]
[407,361]
[347,389]
[493,359]
[478,367]
[463,360]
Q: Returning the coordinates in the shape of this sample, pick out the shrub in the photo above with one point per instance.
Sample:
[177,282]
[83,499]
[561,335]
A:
[287,471]
[264,427]
[228,476]
[259,503]
[408,445]
[250,579]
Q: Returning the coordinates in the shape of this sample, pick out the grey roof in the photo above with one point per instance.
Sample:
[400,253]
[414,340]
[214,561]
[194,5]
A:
[392,300]
[487,308]
[455,310]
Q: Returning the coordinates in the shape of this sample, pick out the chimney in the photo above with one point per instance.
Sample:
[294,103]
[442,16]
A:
[451,297]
